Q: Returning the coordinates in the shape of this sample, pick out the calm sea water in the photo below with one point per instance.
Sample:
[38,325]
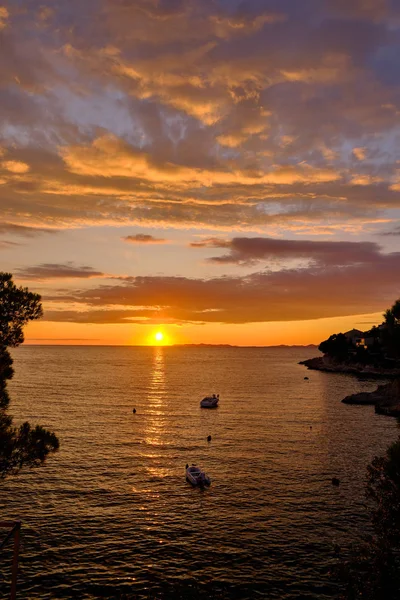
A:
[111,515]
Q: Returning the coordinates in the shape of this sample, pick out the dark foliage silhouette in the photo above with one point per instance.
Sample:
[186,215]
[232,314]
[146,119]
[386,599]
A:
[24,445]
[373,570]
[336,345]
[379,346]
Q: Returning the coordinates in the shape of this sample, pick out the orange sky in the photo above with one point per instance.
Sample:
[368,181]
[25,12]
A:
[261,334]
[225,171]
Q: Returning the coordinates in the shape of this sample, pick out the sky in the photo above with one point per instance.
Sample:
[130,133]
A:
[219,171]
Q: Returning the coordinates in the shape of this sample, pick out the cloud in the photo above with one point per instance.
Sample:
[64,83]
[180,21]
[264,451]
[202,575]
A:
[292,294]
[365,180]
[366,9]
[143,238]
[212,114]
[23,230]
[58,271]
[396,184]
[3,17]
[395,231]
[211,243]
[109,156]
[5,245]
[15,166]
[102,317]
[359,153]
[245,250]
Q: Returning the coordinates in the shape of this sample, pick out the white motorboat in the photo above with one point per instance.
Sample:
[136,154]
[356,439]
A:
[210,401]
[196,476]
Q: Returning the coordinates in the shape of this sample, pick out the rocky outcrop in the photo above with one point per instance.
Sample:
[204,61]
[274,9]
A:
[366,398]
[327,364]
[386,399]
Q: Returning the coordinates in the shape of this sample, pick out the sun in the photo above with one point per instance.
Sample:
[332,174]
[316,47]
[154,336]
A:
[159,337]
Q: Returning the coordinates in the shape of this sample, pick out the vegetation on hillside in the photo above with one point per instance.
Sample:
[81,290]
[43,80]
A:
[373,570]
[379,346]
[24,445]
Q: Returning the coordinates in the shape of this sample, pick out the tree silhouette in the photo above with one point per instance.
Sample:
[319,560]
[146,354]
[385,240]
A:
[391,336]
[24,445]
[373,570]
[336,346]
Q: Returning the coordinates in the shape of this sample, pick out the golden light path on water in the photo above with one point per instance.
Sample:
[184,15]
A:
[155,426]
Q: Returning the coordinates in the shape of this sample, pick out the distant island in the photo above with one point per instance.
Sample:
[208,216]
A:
[372,353]
[206,345]
[235,346]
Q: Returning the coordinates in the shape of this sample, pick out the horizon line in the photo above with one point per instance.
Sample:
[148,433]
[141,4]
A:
[178,345]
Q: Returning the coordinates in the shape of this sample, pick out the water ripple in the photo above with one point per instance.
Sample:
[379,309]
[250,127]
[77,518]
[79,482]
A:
[111,516]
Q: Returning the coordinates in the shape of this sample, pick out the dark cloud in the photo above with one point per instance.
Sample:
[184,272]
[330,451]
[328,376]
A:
[287,295]
[23,230]
[143,238]
[5,245]
[395,232]
[245,250]
[365,9]
[58,271]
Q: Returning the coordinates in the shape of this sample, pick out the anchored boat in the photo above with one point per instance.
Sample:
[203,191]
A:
[210,401]
[196,476]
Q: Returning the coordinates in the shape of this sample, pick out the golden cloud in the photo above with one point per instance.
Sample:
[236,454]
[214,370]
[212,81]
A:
[365,180]
[15,166]
[4,14]
[202,116]
[109,156]
[359,153]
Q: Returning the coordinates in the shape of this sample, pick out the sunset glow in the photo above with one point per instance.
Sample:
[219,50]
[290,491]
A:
[200,259]
[229,169]
[159,338]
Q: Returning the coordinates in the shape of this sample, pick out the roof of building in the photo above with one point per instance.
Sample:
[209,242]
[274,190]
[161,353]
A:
[354,333]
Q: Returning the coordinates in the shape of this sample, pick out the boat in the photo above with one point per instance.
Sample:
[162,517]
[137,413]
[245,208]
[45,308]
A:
[196,476]
[210,401]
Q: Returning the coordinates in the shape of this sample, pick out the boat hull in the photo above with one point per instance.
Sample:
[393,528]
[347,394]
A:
[209,403]
[197,479]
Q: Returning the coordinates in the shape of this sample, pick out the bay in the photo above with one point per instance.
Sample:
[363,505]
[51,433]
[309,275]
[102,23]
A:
[111,515]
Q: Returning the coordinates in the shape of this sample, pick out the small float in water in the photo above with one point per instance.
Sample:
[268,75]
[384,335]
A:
[196,476]
[210,401]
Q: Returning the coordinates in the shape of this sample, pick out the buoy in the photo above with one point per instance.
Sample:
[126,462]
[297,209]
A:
[335,481]
[209,438]
[134,411]
[305,377]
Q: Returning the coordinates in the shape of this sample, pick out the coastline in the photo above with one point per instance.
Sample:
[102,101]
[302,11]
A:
[324,363]
[385,398]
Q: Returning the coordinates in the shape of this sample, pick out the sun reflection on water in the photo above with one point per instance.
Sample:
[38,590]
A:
[156,399]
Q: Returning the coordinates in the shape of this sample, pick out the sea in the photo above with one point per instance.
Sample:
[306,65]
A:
[111,514]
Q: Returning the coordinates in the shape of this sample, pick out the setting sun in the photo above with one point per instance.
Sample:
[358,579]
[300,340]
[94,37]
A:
[158,337]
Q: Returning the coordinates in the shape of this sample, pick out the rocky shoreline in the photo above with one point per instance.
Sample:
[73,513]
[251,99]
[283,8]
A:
[386,398]
[329,365]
